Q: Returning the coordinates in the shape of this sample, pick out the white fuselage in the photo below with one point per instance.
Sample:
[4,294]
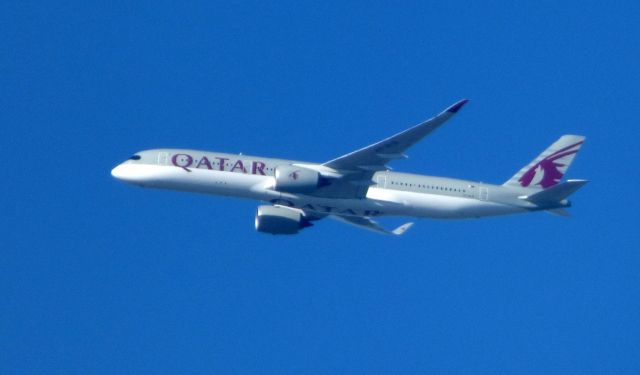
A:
[389,193]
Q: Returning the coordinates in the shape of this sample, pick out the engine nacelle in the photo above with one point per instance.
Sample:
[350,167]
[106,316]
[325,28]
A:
[292,179]
[280,220]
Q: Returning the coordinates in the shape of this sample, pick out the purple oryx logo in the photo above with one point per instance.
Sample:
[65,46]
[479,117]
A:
[548,171]
[294,175]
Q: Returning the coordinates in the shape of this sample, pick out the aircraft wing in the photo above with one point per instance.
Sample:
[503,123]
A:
[375,157]
[358,221]
[367,223]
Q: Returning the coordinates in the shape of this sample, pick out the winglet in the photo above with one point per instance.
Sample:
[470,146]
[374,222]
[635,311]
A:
[456,107]
[401,229]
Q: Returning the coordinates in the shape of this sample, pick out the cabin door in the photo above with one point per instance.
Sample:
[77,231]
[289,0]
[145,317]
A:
[484,194]
[163,158]
[382,180]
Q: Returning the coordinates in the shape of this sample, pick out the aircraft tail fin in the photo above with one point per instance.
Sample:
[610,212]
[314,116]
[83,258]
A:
[548,168]
[556,194]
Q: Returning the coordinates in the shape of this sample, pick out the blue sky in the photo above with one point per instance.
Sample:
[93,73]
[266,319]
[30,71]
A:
[100,277]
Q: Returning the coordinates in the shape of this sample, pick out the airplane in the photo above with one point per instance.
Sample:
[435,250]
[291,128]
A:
[357,187]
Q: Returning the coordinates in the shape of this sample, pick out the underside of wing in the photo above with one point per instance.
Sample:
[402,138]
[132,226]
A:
[375,157]
[284,220]
[368,224]
[358,167]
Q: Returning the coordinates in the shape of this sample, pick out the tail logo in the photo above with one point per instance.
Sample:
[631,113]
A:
[548,171]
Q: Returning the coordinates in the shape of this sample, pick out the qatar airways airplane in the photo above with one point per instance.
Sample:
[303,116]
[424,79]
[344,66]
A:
[358,186]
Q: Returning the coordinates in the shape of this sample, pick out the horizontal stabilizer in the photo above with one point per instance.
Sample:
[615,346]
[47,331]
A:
[555,194]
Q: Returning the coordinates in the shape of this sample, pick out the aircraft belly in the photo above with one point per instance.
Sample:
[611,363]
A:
[381,202]
[205,181]
[377,202]
[436,206]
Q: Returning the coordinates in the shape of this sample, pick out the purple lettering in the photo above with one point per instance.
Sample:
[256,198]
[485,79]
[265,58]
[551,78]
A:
[257,167]
[204,161]
[240,166]
[222,161]
[182,160]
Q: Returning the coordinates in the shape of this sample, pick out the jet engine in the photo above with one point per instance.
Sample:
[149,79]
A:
[292,179]
[280,220]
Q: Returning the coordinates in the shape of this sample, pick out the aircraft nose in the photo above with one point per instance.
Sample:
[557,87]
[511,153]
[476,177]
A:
[116,172]
[122,173]
[136,174]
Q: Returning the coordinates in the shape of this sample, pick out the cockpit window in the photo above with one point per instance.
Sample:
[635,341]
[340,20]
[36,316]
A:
[135,157]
